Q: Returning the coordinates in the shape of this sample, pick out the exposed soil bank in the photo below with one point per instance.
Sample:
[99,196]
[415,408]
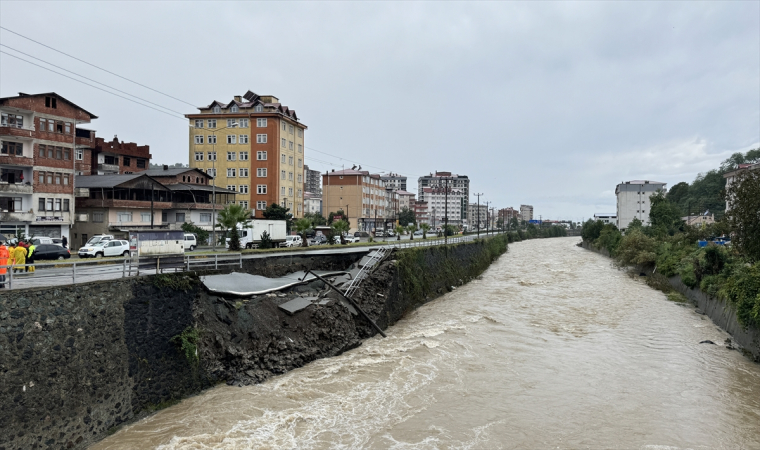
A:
[78,361]
[721,312]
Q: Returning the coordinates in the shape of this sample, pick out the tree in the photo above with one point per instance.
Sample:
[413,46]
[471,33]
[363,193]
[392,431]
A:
[301,226]
[339,214]
[514,223]
[266,241]
[635,248]
[678,192]
[406,216]
[743,195]
[277,212]
[315,218]
[664,216]
[229,218]
[411,229]
[199,232]
[341,227]
[399,231]
[425,228]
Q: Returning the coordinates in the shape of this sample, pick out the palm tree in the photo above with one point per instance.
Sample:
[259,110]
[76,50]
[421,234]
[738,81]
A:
[425,228]
[411,229]
[341,227]
[301,226]
[399,230]
[229,218]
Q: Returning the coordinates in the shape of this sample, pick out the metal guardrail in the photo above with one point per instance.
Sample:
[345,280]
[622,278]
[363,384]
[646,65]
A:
[63,273]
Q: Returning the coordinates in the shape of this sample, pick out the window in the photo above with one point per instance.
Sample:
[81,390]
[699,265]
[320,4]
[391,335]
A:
[97,217]
[243,173]
[65,204]
[65,179]
[261,189]
[211,172]
[230,187]
[125,217]
[212,156]
[283,142]
[243,123]
[243,139]
[66,154]
[243,189]
[290,145]
[12,149]
[261,156]
[234,109]
[290,129]
[50,102]
[259,108]
[231,139]
[199,156]
[199,139]
[282,174]
[290,160]
[300,148]
[283,126]
[41,205]
[79,154]
[231,155]
[231,172]
[58,153]
[282,190]
[145,217]
[261,205]
[198,123]
[261,123]
[261,172]
[299,192]
[244,155]
[49,176]
[127,161]
[59,127]
[212,140]
[58,178]
[282,158]
[140,163]
[290,191]
[261,138]
[300,163]
[205,217]
[290,176]
[231,123]
[179,217]
[244,204]
[58,204]
[41,177]
[300,178]
[300,132]
[68,128]
[212,123]
[217,109]
[51,126]
[43,123]
[13,120]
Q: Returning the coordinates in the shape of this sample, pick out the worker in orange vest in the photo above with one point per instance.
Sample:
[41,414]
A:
[3,262]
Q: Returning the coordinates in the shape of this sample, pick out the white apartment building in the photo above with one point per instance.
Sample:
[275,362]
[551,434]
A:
[439,204]
[477,215]
[606,218]
[526,212]
[633,201]
[405,199]
[312,203]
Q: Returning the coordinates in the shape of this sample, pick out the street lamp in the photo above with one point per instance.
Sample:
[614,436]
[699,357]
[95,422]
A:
[213,185]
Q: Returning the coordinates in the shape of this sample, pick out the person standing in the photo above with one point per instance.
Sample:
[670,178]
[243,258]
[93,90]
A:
[30,257]
[3,262]
[11,256]
[20,256]
[65,242]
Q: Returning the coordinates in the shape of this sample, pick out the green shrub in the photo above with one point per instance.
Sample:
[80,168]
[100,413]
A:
[187,341]
[743,290]
[636,249]
[687,275]
[266,241]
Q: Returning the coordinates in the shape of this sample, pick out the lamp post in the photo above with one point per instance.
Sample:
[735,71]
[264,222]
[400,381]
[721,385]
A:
[213,185]
[477,212]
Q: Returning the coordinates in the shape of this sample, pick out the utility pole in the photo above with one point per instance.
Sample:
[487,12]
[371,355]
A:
[487,218]
[446,211]
[478,214]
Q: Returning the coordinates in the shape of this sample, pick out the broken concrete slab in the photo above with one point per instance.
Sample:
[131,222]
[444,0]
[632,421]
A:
[349,306]
[245,285]
[295,305]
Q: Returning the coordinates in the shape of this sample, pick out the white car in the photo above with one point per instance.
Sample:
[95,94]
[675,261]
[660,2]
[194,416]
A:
[105,248]
[293,241]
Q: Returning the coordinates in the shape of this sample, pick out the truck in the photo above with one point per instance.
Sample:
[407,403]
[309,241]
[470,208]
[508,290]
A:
[155,243]
[250,234]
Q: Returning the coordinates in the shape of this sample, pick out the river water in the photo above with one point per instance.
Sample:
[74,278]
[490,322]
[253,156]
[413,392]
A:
[551,348]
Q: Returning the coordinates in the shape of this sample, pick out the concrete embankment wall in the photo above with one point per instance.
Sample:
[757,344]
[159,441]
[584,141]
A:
[78,361]
[721,312]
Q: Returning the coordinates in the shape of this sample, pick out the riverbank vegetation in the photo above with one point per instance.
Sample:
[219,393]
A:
[667,246]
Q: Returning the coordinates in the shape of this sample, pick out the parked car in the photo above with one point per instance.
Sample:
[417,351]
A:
[418,233]
[39,240]
[99,238]
[350,239]
[319,239]
[191,242]
[361,234]
[379,233]
[115,247]
[293,241]
[45,252]
[390,233]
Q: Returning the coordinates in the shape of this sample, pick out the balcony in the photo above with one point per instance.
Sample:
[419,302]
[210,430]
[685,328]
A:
[108,168]
[16,188]
[16,217]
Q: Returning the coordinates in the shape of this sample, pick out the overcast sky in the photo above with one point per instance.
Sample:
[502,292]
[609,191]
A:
[543,103]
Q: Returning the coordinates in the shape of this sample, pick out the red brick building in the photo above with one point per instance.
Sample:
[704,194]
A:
[118,157]
[41,150]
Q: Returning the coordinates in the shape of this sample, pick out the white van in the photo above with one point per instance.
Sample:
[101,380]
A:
[37,240]
[191,242]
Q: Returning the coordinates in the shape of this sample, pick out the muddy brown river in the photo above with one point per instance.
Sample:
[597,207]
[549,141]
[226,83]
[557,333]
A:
[551,348]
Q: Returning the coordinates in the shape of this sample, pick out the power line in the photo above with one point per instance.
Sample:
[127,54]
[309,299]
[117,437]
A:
[90,79]
[98,88]
[93,65]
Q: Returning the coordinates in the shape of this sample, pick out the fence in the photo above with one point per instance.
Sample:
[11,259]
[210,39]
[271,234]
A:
[61,273]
